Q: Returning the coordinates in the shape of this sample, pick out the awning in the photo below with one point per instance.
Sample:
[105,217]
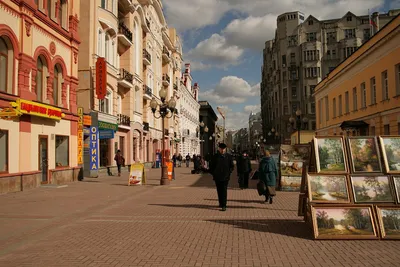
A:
[353,125]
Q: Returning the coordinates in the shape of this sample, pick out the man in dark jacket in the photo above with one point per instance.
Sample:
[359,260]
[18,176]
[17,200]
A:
[221,167]
[243,170]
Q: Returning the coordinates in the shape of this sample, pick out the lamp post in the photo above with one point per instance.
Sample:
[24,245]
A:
[164,109]
[298,121]
[203,129]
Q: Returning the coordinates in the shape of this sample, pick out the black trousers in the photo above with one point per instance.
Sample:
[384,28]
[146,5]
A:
[244,180]
[119,168]
[222,190]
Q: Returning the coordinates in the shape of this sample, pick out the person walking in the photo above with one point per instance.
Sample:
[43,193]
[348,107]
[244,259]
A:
[221,167]
[268,172]
[180,160]
[174,159]
[243,170]
[120,160]
[187,160]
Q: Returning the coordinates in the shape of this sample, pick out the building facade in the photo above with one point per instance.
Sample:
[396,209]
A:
[361,96]
[38,82]
[241,140]
[189,114]
[302,53]
[207,133]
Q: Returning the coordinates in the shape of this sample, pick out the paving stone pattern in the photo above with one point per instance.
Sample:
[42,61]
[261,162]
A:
[103,222]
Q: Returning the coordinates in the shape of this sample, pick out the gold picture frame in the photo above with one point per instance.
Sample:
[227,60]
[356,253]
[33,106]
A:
[391,156]
[389,220]
[330,155]
[328,188]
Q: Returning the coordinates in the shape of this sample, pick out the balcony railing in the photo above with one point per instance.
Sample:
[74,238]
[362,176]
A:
[165,51]
[166,78]
[146,126]
[147,90]
[124,120]
[126,75]
[146,55]
[123,29]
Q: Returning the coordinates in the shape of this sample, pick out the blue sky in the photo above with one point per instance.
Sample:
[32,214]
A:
[223,41]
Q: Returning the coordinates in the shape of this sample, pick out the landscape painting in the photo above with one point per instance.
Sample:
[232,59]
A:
[290,183]
[396,181]
[328,188]
[291,168]
[389,220]
[343,223]
[371,189]
[364,155]
[391,153]
[295,153]
[330,155]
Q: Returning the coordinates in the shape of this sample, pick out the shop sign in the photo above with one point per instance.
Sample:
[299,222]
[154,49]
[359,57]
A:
[86,131]
[87,120]
[37,109]
[108,126]
[101,78]
[94,154]
[137,174]
[106,134]
[80,136]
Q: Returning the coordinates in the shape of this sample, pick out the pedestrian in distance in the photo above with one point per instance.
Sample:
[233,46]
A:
[187,160]
[221,168]
[180,160]
[120,160]
[268,172]
[243,167]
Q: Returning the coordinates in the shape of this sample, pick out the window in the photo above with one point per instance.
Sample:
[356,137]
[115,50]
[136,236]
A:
[137,100]
[119,104]
[105,105]
[311,36]
[334,107]
[397,73]
[363,96]
[107,48]
[104,4]
[333,53]
[294,108]
[349,33]
[313,125]
[3,151]
[312,72]
[41,74]
[284,93]
[285,110]
[294,92]
[137,48]
[331,37]
[310,22]
[6,65]
[386,129]
[340,106]
[348,51]
[347,102]
[349,18]
[62,151]
[62,13]
[100,41]
[355,99]
[57,84]
[373,91]
[284,60]
[49,7]
[312,108]
[367,34]
[385,86]
[326,108]
[320,111]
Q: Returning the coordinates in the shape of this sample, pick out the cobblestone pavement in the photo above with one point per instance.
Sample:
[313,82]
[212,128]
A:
[103,222]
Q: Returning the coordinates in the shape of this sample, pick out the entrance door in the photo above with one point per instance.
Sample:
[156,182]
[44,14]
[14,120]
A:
[43,158]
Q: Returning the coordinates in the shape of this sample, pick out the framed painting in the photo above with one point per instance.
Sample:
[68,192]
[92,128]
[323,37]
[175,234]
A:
[371,189]
[396,183]
[343,222]
[330,155]
[389,222]
[328,188]
[391,153]
[290,183]
[364,154]
[294,168]
[295,152]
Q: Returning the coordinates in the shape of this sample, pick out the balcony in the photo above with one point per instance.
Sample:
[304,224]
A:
[146,57]
[124,38]
[124,121]
[147,92]
[166,55]
[125,6]
[165,80]
[125,78]
[146,126]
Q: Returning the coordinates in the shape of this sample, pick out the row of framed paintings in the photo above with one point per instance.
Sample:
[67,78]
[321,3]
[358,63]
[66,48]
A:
[353,188]
[357,154]
[355,221]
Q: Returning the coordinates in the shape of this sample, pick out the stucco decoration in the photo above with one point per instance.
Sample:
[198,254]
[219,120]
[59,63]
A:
[28,26]
[75,57]
[52,48]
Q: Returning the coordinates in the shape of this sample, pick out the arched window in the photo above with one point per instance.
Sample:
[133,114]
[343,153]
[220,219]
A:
[57,84]
[40,78]
[6,65]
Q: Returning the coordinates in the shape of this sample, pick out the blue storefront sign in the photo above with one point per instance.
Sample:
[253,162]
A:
[106,134]
[94,154]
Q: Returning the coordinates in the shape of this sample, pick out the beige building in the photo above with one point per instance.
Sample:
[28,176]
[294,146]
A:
[362,95]
[38,82]
[302,53]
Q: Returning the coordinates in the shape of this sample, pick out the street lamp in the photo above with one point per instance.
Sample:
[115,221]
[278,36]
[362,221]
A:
[298,121]
[164,108]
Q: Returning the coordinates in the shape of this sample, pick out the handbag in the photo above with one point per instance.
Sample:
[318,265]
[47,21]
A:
[261,188]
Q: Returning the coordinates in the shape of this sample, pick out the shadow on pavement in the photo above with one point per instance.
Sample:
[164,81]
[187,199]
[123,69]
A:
[293,228]
[202,206]
[89,181]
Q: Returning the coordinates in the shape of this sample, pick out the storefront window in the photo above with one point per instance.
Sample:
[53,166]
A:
[62,151]
[104,148]
[3,151]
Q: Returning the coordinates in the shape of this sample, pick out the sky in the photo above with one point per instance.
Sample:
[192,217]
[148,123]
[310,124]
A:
[223,42]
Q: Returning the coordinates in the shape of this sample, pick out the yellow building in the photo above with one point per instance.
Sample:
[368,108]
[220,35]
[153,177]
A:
[38,81]
[361,96]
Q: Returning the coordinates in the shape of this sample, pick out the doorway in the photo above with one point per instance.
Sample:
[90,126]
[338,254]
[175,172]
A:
[43,158]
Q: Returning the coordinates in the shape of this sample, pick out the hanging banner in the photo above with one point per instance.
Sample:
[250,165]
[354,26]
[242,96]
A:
[101,78]
[137,174]
[80,136]
[94,155]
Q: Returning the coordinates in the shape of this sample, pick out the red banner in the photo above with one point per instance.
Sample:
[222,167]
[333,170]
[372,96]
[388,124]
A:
[101,78]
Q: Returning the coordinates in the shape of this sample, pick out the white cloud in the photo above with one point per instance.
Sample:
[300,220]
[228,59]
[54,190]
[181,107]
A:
[231,90]
[252,108]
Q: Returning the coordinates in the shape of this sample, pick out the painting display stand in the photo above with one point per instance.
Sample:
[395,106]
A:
[350,188]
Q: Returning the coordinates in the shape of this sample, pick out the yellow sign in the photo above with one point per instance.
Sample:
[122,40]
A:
[37,109]
[87,120]
[137,174]
[9,113]
[80,136]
